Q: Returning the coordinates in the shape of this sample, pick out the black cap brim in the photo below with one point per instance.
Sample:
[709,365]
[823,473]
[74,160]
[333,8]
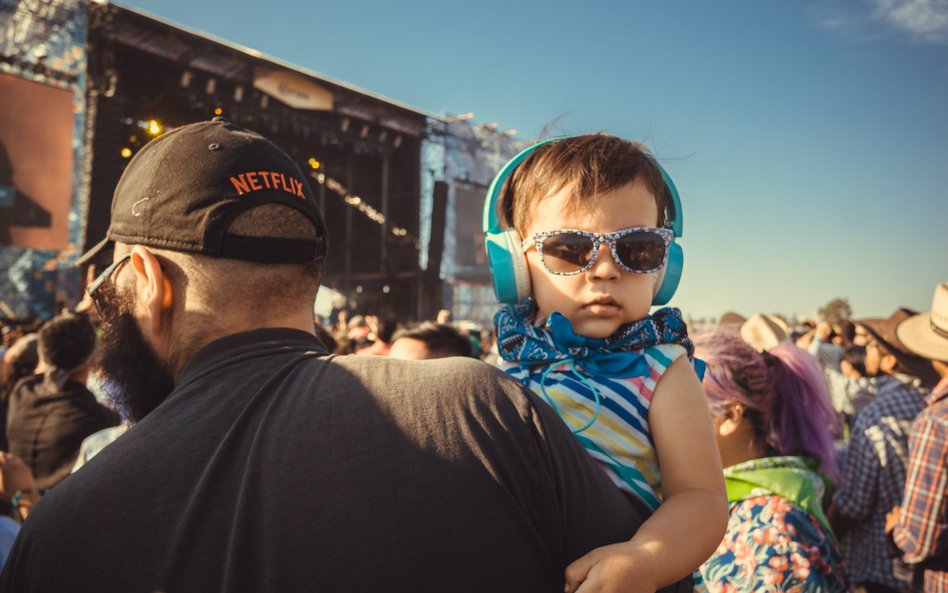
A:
[87,257]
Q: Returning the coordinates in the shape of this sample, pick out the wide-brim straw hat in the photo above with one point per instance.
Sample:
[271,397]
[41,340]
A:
[763,332]
[926,334]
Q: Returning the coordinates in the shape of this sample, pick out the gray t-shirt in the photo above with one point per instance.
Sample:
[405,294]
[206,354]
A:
[273,467]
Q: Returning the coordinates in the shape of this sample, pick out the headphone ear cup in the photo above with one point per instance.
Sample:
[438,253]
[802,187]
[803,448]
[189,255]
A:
[508,266]
[671,276]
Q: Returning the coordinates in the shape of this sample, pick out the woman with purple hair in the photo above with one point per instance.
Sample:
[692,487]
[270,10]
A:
[774,427]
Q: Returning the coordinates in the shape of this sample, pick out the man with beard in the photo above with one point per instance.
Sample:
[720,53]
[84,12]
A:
[260,463]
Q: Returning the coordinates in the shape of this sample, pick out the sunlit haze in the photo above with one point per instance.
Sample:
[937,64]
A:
[809,139]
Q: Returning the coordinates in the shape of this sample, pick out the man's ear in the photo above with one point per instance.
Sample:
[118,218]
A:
[153,288]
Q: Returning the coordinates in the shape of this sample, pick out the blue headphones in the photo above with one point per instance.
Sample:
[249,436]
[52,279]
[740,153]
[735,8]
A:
[508,264]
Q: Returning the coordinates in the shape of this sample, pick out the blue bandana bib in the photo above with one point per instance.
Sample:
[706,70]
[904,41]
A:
[616,356]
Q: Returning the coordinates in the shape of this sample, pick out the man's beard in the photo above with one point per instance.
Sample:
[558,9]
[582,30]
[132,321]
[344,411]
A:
[128,360]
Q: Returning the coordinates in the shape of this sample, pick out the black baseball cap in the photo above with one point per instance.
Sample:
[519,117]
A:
[183,189]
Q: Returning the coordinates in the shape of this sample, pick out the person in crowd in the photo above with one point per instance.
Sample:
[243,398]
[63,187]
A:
[853,363]
[259,463]
[851,393]
[922,529]
[18,491]
[19,361]
[429,340]
[338,327]
[17,486]
[828,342]
[620,378]
[51,412]
[444,316]
[381,330]
[873,467]
[357,328]
[774,428]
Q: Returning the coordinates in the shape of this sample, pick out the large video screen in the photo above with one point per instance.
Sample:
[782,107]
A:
[36,127]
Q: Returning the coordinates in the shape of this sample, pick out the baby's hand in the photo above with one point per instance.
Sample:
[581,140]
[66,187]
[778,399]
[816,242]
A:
[616,567]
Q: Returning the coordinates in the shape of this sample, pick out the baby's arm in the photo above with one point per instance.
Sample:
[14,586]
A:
[689,525]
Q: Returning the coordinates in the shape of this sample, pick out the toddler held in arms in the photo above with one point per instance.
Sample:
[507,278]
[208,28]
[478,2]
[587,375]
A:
[580,234]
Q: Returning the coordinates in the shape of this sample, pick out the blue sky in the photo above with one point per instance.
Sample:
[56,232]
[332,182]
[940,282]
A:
[809,139]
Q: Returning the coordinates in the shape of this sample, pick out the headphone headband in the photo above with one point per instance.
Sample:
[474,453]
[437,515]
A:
[491,218]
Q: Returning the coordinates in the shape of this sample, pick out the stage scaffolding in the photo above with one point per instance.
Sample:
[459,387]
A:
[373,163]
[362,152]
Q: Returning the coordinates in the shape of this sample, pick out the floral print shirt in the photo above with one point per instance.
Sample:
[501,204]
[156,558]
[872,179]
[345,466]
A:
[771,544]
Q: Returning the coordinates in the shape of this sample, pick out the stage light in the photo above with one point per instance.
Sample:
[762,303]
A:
[154,128]
[344,125]
[185,79]
[383,135]
[211,86]
[218,111]
[365,131]
[398,141]
[386,289]
[238,93]
[313,163]
[133,138]
[359,289]
[126,152]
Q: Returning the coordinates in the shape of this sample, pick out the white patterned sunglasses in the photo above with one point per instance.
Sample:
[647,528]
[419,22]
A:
[567,252]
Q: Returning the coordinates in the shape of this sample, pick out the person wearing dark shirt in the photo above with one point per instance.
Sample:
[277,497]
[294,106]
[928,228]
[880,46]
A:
[51,412]
[258,462]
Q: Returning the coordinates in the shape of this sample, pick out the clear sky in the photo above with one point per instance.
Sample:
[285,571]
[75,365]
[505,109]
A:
[809,139]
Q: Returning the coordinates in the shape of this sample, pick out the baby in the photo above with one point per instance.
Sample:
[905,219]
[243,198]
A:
[579,235]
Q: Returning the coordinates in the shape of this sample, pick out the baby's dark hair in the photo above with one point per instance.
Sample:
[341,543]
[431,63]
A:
[584,166]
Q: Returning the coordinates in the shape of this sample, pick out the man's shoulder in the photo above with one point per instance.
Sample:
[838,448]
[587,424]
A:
[895,397]
[935,415]
[463,372]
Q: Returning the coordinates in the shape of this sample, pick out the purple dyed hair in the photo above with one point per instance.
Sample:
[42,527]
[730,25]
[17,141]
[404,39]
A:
[783,391]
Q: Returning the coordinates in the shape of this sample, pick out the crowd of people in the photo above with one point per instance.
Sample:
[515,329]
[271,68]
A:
[166,435]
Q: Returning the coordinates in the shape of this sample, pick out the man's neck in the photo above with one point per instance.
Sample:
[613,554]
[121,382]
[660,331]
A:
[202,330]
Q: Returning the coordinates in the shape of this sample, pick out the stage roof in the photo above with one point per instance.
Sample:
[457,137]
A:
[143,41]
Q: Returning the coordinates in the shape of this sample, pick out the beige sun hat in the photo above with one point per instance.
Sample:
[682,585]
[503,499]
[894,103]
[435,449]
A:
[763,332]
[927,334]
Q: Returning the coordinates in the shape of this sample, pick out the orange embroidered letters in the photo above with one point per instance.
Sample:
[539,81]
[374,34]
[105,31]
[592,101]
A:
[251,181]
[240,184]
